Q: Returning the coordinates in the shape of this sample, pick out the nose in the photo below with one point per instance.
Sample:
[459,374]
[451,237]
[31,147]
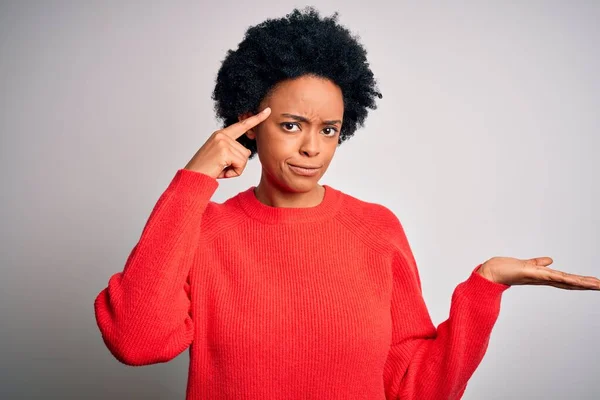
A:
[310,144]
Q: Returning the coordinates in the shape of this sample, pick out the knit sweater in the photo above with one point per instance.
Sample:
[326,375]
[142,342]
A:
[322,302]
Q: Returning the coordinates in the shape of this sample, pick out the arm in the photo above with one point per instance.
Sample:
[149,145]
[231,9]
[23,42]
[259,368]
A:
[143,314]
[426,363]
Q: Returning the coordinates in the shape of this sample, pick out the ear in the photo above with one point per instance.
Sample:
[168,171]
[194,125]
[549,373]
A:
[250,132]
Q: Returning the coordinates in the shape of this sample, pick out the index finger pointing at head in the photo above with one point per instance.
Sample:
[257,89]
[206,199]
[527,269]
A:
[239,128]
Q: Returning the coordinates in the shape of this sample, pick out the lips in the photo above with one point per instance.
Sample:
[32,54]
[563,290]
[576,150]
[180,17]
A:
[306,166]
[304,171]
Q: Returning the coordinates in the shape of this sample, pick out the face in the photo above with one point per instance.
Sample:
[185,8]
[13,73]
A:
[302,131]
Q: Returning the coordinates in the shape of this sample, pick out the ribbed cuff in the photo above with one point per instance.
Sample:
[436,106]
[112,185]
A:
[195,184]
[479,288]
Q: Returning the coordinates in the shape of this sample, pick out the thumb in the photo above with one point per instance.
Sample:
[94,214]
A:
[541,261]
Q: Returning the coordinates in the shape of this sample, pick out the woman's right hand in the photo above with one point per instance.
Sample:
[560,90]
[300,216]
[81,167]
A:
[222,156]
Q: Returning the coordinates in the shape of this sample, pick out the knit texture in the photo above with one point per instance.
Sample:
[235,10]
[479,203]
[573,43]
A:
[322,302]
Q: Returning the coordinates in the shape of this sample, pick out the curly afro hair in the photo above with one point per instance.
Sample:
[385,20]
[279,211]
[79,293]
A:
[300,44]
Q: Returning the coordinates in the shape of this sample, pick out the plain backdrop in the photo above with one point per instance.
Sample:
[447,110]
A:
[485,144]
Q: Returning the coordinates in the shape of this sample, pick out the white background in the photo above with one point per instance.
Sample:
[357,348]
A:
[485,143]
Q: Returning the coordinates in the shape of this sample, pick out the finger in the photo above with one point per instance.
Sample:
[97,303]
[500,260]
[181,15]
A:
[234,168]
[236,130]
[238,146]
[561,285]
[237,166]
[228,173]
[233,171]
[541,261]
[592,280]
[584,281]
[241,154]
[232,146]
[570,279]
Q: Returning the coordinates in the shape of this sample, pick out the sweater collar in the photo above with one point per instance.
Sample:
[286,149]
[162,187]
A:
[327,208]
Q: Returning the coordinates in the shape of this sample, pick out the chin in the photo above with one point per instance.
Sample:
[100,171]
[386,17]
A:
[301,185]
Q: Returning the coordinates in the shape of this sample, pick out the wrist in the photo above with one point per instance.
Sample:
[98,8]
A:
[484,271]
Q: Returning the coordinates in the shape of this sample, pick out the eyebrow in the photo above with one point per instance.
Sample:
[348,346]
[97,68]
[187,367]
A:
[304,119]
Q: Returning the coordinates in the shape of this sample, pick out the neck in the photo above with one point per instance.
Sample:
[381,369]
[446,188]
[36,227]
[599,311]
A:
[273,195]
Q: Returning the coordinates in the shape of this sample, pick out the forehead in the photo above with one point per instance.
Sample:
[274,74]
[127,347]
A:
[309,96]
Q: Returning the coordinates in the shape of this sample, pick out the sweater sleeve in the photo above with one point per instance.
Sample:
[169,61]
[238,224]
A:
[143,313]
[426,363]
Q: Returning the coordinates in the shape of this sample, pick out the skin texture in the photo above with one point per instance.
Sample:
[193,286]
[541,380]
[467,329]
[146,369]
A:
[222,156]
[283,140]
[534,271]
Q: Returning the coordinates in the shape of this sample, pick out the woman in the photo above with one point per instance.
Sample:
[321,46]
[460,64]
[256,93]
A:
[292,289]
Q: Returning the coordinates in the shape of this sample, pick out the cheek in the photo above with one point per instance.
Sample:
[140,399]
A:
[272,149]
[331,148]
[280,147]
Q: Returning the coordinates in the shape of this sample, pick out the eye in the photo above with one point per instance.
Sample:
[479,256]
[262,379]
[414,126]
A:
[285,125]
[333,131]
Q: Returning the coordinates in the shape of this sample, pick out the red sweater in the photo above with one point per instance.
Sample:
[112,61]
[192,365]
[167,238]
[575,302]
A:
[322,302]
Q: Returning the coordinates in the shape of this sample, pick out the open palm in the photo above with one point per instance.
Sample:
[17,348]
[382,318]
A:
[534,271]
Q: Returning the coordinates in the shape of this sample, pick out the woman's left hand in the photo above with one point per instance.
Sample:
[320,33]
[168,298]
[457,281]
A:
[534,271]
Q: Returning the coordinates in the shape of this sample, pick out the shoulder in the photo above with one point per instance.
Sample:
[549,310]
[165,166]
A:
[380,228]
[221,217]
[373,221]
[378,215]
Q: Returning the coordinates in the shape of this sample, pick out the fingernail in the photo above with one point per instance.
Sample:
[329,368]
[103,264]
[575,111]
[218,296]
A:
[266,110]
